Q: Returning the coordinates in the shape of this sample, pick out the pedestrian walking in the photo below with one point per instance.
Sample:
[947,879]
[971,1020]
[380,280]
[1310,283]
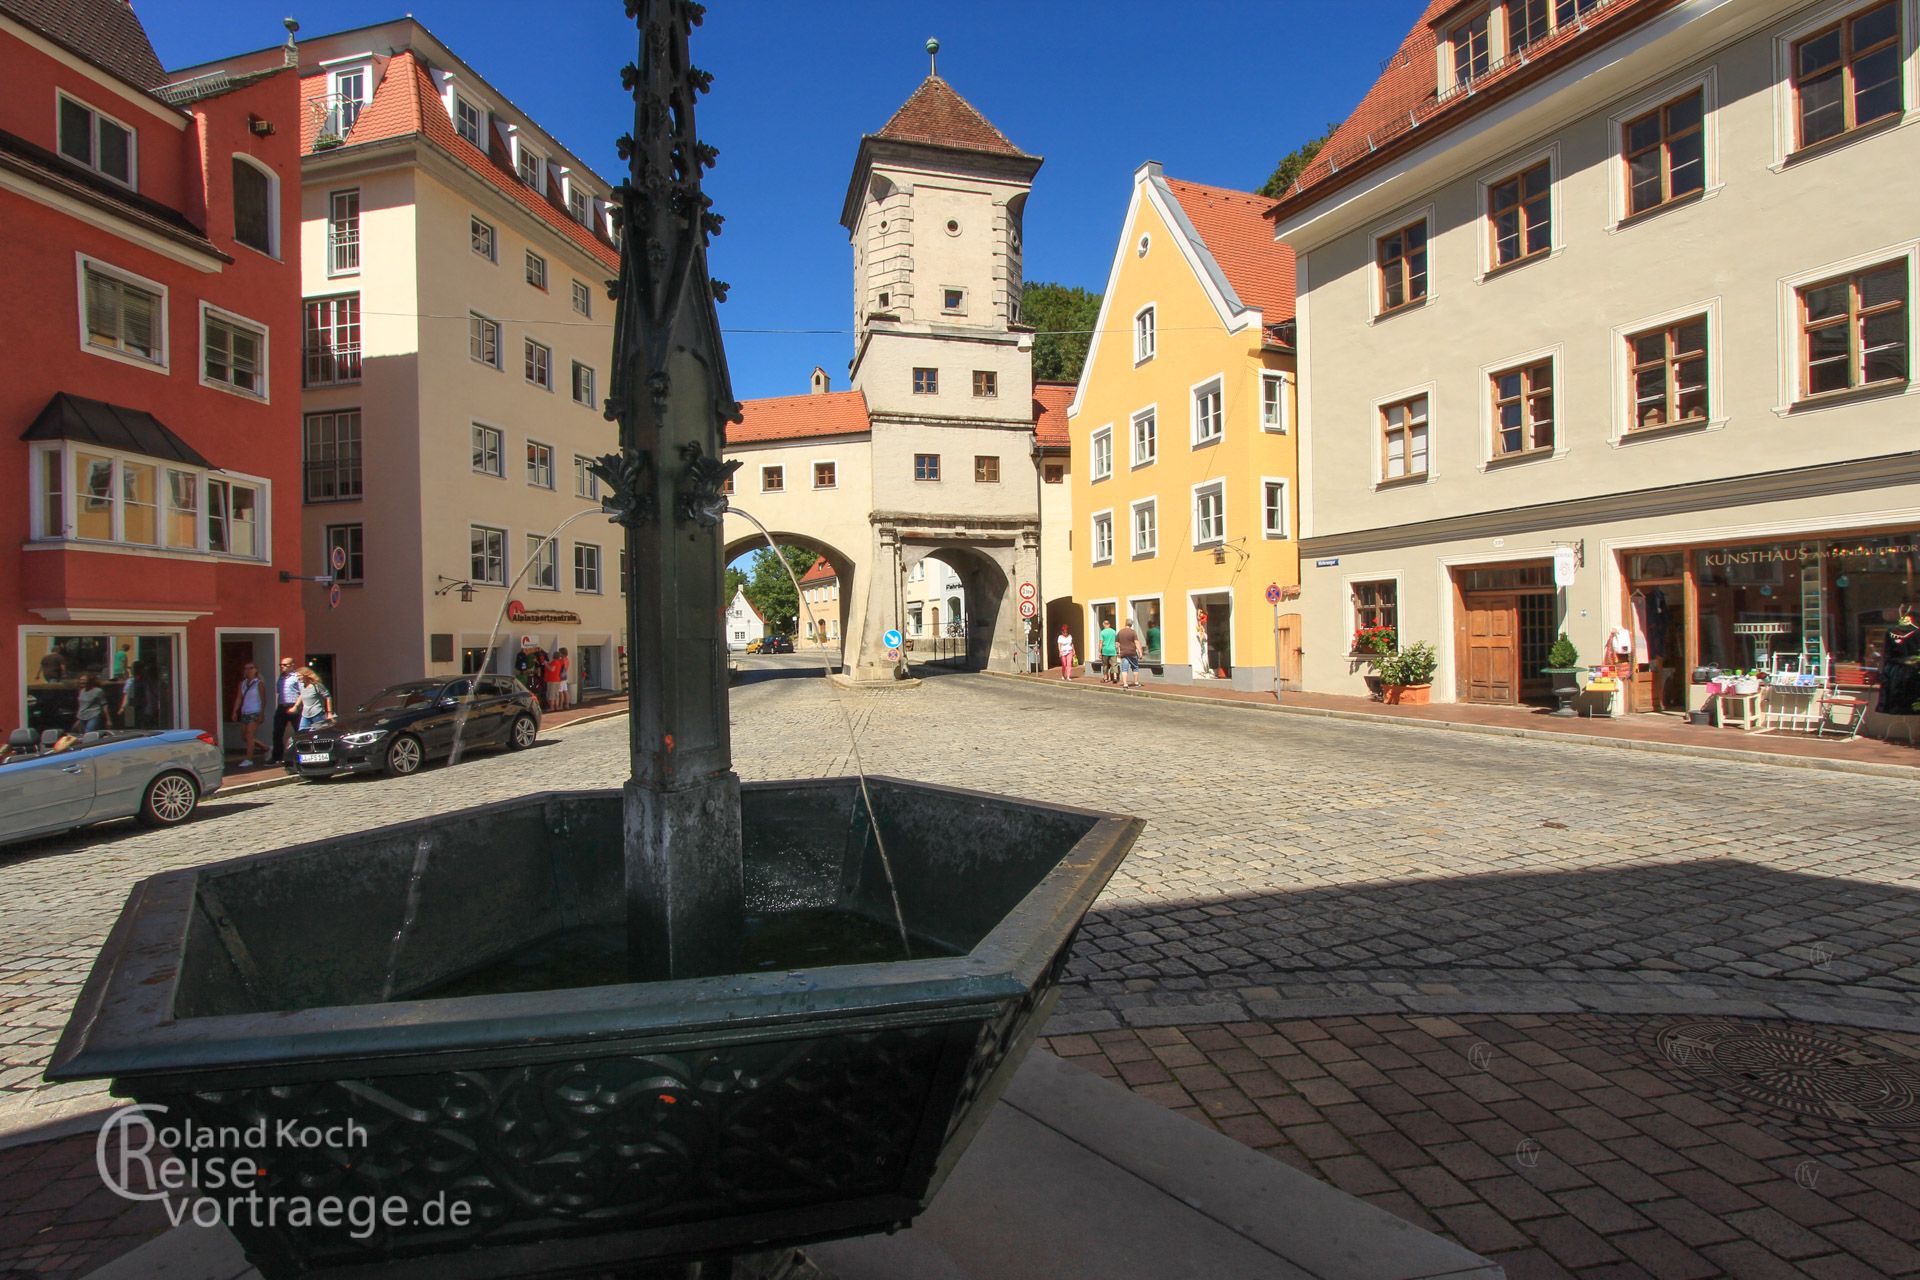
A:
[1065,644]
[91,713]
[531,667]
[133,697]
[1126,643]
[1109,653]
[249,706]
[286,709]
[316,700]
[558,691]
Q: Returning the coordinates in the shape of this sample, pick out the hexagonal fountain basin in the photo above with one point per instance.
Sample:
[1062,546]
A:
[453,988]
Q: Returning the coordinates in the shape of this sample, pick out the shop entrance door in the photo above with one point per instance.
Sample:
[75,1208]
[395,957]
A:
[1657,620]
[1493,648]
[237,649]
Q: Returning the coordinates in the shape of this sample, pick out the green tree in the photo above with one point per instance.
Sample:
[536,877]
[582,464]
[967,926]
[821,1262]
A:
[770,590]
[735,579]
[1063,318]
[1292,163]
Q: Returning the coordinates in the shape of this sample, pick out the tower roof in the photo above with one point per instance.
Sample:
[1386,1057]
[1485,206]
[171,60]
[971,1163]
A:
[938,116]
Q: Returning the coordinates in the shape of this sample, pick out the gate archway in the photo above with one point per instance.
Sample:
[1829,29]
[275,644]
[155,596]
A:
[987,608]
[851,588]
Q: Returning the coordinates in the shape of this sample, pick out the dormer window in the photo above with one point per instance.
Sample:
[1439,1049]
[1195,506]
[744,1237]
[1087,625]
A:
[1530,21]
[349,95]
[102,144]
[1472,54]
[579,203]
[529,166]
[470,121]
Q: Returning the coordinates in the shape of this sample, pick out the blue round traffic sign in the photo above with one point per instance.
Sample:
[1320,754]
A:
[893,639]
[1273,593]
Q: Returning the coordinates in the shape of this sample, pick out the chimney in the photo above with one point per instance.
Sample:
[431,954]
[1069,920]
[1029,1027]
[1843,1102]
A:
[819,381]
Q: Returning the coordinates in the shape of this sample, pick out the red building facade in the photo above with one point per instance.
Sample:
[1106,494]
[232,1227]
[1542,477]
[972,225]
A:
[150,419]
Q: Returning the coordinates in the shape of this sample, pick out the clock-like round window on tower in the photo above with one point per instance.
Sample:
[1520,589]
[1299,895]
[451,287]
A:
[953,227]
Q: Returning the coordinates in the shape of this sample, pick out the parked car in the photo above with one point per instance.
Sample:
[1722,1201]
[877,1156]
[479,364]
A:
[754,646]
[777,644]
[401,728]
[60,781]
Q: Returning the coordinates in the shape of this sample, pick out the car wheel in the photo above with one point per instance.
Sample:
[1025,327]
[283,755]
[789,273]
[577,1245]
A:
[170,800]
[404,755]
[522,734]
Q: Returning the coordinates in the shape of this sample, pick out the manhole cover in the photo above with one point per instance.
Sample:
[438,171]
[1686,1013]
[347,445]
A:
[1809,1074]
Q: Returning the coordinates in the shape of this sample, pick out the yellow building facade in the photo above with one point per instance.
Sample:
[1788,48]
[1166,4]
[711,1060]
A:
[1183,436]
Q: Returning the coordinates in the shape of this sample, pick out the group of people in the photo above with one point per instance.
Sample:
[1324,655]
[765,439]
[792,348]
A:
[544,674]
[301,701]
[130,698]
[1120,654]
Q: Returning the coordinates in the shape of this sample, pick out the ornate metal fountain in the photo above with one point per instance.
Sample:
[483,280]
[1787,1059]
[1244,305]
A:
[657,1026]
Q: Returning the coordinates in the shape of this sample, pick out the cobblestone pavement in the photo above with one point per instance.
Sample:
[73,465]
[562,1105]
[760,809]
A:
[1574,1144]
[1289,868]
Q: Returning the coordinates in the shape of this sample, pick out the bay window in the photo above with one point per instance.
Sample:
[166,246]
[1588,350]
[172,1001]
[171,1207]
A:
[88,494]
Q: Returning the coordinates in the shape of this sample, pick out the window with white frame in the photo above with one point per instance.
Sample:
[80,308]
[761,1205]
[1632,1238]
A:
[1210,513]
[1102,537]
[233,353]
[1209,421]
[484,242]
[543,563]
[332,351]
[488,451]
[539,465]
[470,121]
[585,483]
[488,555]
[586,568]
[1273,508]
[1273,402]
[330,456]
[1102,445]
[530,166]
[256,206]
[536,270]
[350,539]
[1146,527]
[483,339]
[582,298]
[539,364]
[579,204]
[1146,437]
[234,514]
[124,314]
[582,384]
[91,494]
[343,109]
[99,142]
[1143,335]
[343,232]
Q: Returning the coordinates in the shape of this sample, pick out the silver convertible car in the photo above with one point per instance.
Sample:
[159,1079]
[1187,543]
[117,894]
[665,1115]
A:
[155,775]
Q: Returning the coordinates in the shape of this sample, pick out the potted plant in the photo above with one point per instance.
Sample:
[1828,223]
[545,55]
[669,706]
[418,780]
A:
[1563,664]
[1406,677]
[1370,645]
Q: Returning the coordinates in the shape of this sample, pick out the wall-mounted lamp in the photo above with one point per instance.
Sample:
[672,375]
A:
[449,585]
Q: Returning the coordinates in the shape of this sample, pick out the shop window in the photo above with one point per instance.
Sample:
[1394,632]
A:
[1848,75]
[1402,259]
[1523,411]
[543,563]
[1146,442]
[138,676]
[488,555]
[1376,609]
[1668,374]
[1665,153]
[1854,331]
[330,456]
[1520,215]
[350,539]
[1403,440]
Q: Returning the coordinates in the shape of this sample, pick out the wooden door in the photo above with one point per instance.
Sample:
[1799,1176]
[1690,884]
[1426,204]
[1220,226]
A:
[1287,647]
[1493,649]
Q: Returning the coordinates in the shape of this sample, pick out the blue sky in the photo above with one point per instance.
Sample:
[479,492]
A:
[1216,90]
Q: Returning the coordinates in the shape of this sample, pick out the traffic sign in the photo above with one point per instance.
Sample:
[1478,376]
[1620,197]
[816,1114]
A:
[893,640]
[1026,591]
[339,559]
[1273,593]
[1026,608]
[893,655]
[333,596]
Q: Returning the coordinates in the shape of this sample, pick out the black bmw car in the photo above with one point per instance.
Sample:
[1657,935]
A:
[401,728]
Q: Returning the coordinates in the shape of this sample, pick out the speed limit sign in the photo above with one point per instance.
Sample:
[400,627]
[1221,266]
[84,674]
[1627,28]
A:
[1026,608]
[1026,591]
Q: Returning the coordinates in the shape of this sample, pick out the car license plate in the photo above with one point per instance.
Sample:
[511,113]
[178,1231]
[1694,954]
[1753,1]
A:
[315,757]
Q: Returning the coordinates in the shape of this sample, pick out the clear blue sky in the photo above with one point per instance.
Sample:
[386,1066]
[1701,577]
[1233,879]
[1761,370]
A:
[1216,90]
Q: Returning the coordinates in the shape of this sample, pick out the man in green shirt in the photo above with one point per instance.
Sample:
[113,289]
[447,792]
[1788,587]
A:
[1109,652]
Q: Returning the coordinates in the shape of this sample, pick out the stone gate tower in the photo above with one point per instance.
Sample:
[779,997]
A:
[934,210]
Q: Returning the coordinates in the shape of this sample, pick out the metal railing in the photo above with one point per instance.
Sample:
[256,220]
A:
[335,114]
[328,363]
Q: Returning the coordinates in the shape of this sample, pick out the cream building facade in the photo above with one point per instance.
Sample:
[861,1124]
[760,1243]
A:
[1636,289]
[458,334]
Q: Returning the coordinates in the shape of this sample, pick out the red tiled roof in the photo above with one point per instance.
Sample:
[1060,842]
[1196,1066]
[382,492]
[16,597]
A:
[820,572]
[831,413]
[1405,99]
[405,103]
[104,32]
[1050,401]
[1235,228]
[937,115]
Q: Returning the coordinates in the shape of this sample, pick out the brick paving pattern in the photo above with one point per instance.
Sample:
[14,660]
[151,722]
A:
[1554,1145]
[59,1221]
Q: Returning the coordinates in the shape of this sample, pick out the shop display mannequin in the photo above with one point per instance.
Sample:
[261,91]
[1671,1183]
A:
[1900,667]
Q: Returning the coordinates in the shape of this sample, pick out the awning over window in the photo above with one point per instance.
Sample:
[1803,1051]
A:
[111,426]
